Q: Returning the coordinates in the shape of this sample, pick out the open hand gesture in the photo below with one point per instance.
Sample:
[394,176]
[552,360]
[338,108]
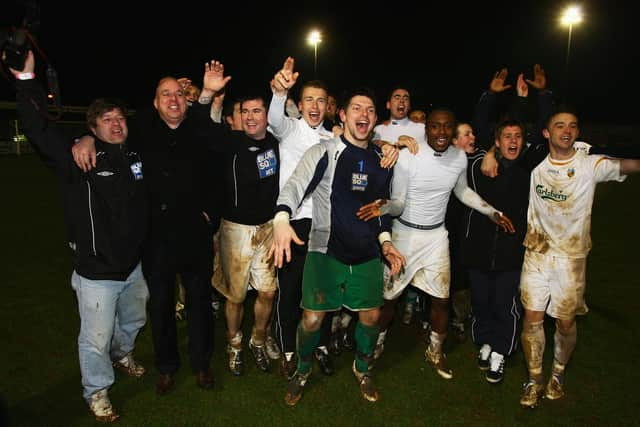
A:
[497,84]
[214,79]
[539,78]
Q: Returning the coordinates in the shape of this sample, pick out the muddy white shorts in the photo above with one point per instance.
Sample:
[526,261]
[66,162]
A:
[243,260]
[427,255]
[553,284]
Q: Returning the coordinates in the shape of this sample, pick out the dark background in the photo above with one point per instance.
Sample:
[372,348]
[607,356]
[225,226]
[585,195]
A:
[446,51]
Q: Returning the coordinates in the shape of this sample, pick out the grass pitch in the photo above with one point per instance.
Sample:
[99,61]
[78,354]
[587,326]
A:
[40,378]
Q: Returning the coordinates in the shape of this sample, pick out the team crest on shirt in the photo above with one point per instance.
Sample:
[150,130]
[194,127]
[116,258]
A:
[359,181]
[571,172]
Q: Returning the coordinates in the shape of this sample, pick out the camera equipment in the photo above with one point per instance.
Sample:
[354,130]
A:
[14,46]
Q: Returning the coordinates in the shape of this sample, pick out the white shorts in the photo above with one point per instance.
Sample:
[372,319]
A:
[427,255]
[553,284]
[243,260]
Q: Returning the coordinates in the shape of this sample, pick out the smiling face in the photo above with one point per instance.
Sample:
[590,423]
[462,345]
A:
[111,127]
[192,93]
[562,131]
[254,118]
[170,102]
[313,105]
[510,141]
[359,117]
[440,125]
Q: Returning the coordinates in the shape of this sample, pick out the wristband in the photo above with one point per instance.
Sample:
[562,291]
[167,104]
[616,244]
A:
[385,236]
[25,76]
[281,217]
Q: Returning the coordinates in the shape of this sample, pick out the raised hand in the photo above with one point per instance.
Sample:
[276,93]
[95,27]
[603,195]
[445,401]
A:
[214,79]
[539,78]
[184,82]
[372,210]
[497,84]
[286,77]
[521,86]
[29,64]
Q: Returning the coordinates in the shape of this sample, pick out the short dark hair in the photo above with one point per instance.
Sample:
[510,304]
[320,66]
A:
[227,110]
[103,105]
[318,84]
[254,97]
[349,94]
[442,110]
[507,123]
[396,87]
[559,109]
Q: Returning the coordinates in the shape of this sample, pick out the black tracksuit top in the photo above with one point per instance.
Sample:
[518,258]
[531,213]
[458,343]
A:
[106,208]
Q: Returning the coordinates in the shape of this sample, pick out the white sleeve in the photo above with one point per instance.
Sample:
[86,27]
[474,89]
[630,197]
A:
[605,168]
[215,114]
[471,198]
[281,126]
[294,190]
[399,183]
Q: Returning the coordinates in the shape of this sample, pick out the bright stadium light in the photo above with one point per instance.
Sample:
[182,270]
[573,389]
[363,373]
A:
[314,39]
[571,16]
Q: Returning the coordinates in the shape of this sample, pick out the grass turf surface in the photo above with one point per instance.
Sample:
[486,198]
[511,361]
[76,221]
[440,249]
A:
[40,379]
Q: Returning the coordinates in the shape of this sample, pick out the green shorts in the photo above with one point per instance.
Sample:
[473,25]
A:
[328,284]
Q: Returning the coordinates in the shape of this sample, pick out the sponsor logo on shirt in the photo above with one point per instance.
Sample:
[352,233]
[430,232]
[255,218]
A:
[267,163]
[550,194]
[104,173]
[359,181]
[136,169]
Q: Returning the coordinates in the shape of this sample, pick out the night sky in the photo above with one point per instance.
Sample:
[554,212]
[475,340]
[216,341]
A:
[447,53]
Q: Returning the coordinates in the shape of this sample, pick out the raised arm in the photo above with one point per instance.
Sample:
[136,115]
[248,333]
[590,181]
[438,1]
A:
[32,112]
[282,82]
[213,81]
[485,109]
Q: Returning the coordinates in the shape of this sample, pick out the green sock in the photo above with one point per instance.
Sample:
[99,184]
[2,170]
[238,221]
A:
[366,337]
[306,343]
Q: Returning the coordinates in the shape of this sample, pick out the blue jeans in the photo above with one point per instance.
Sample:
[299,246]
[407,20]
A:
[111,315]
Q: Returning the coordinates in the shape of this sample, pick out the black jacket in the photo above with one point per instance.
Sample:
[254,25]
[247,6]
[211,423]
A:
[106,209]
[249,170]
[484,245]
[180,177]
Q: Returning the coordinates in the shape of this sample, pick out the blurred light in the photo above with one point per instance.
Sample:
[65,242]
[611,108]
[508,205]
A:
[314,37]
[572,15]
